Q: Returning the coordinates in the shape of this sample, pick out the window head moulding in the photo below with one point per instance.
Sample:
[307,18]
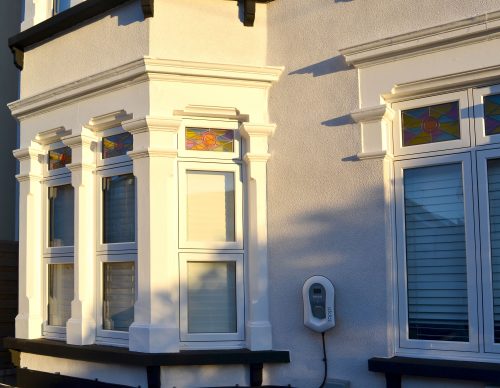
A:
[218,112]
[108,120]
[51,135]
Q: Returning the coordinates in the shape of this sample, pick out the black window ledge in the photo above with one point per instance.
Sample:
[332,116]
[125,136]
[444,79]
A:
[396,367]
[116,355]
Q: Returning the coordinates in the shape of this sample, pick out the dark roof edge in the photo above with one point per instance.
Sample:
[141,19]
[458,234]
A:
[64,21]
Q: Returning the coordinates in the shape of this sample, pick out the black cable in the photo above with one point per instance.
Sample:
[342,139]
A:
[324,360]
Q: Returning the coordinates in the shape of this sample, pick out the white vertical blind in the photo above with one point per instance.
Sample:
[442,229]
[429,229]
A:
[436,253]
[61,216]
[119,295]
[61,293]
[210,206]
[118,209]
[211,297]
[494,211]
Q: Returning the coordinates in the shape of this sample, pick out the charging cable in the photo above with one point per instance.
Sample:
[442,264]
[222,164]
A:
[324,360]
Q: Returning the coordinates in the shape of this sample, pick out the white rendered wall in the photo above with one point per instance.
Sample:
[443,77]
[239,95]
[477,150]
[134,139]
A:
[326,210]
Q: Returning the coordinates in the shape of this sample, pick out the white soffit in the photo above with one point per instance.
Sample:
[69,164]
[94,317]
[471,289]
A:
[460,33]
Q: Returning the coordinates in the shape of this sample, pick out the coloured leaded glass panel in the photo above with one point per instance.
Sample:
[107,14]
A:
[492,115]
[59,158]
[208,139]
[116,145]
[431,124]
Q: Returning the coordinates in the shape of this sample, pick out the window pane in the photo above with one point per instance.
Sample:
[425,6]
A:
[61,5]
[116,145]
[60,293]
[61,216]
[435,253]
[118,209]
[59,158]
[210,206]
[494,207]
[211,297]
[119,296]
[431,124]
[207,139]
[492,114]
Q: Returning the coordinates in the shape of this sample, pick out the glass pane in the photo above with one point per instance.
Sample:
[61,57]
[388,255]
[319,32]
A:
[207,139]
[119,296]
[211,297]
[431,124]
[61,5]
[494,210]
[492,114]
[59,158]
[116,145]
[435,253]
[61,292]
[210,206]
[61,216]
[118,209]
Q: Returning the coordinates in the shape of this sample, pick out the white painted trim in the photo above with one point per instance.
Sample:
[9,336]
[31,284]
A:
[446,36]
[142,70]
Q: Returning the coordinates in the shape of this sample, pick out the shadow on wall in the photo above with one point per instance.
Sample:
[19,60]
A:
[328,66]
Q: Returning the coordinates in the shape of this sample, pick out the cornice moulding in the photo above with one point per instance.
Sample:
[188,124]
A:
[108,120]
[455,34]
[142,70]
[51,135]
[152,152]
[205,111]
[447,83]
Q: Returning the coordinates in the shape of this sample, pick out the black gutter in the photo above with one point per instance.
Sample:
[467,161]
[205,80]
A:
[63,21]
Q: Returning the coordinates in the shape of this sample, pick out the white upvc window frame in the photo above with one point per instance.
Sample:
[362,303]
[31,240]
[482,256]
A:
[473,305]
[53,255]
[111,337]
[214,124]
[221,340]
[110,252]
[228,166]
[484,218]
[478,99]
[465,125]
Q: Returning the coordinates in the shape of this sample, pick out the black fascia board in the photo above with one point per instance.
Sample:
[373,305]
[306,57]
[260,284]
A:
[64,21]
[114,355]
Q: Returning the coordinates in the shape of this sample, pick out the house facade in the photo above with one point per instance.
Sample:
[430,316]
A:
[186,165]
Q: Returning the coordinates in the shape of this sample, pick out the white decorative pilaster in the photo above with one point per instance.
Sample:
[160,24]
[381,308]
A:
[156,312]
[258,325]
[376,125]
[81,327]
[30,316]
[36,11]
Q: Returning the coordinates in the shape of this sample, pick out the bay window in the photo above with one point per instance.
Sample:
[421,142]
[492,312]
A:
[447,220]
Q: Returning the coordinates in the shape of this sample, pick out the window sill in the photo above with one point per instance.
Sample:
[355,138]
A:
[153,361]
[396,367]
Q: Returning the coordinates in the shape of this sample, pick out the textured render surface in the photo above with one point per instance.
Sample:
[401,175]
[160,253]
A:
[326,210]
[66,59]
[10,16]
[181,30]
[206,376]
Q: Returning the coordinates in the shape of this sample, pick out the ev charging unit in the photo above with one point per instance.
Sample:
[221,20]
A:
[318,294]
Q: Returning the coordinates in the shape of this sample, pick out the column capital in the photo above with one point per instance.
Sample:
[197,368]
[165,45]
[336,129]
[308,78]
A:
[257,136]
[152,123]
[31,152]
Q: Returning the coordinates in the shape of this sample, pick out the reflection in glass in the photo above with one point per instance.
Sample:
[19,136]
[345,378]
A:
[118,295]
[61,216]
[61,292]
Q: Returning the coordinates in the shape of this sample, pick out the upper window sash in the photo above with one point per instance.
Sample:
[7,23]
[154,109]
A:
[487,114]
[212,133]
[404,338]
[111,247]
[194,196]
[432,125]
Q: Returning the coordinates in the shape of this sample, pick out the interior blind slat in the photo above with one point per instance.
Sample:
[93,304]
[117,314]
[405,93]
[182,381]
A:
[119,295]
[61,291]
[435,253]
[118,209]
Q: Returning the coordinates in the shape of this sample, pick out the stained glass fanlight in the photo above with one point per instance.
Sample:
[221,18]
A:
[59,158]
[492,115]
[116,145]
[209,139]
[431,124]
